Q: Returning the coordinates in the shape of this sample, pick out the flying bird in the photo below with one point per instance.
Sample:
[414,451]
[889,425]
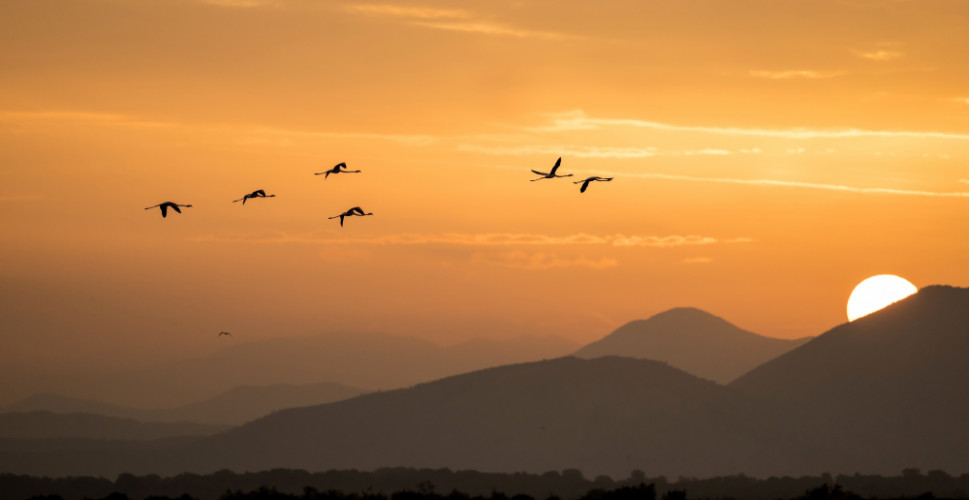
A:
[225,333]
[165,206]
[551,174]
[339,168]
[585,183]
[351,212]
[259,193]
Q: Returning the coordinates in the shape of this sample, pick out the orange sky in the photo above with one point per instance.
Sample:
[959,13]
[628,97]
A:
[768,155]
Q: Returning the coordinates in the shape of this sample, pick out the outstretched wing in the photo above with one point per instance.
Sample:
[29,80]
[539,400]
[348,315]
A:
[543,174]
[340,165]
[556,167]
[258,192]
[341,219]
[585,184]
[356,210]
[175,207]
[164,209]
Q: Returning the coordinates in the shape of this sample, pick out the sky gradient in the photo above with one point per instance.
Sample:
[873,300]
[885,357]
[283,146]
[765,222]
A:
[768,156]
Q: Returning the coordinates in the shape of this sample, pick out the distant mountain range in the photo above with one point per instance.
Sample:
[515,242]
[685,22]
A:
[368,361]
[233,407]
[694,341]
[877,395]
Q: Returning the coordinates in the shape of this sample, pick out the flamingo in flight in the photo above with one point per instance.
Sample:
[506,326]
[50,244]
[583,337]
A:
[587,180]
[259,193]
[351,212]
[551,174]
[165,206]
[339,168]
[225,333]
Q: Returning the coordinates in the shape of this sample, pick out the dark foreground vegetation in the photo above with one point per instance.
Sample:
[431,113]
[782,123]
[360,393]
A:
[444,484]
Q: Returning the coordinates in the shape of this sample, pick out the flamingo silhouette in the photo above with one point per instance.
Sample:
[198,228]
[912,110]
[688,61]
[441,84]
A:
[585,183]
[339,168]
[259,193]
[351,212]
[166,205]
[225,333]
[551,174]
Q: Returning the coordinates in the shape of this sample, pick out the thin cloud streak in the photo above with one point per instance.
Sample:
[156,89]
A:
[879,55]
[589,151]
[794,74]
[482,239]
[541,261]
[792,184]
[410,12]
[578,120]
[453,20]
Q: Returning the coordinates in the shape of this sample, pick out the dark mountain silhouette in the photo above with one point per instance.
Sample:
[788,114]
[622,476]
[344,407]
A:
[47,425]
[607,415]
[370,361]
[234,407]
[884,392]
[694,341]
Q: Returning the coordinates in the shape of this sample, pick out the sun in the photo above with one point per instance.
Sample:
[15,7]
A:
[876,293]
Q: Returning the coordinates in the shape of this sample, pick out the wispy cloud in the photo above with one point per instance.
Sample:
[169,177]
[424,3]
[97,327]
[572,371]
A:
[541,261]
[481,239]
[963,100]
[242,133]
[590,151]
[488,28]
[578,120]
[454,20]
[697,260]
[571,150]
[792,184]
[879,55]
[964,181]
[78,117]
[409,12]
[794,74]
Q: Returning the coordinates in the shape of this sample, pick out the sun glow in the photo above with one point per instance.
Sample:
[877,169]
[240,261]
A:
[876,293]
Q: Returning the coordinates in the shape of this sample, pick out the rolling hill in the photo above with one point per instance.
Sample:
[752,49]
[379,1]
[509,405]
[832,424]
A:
[694,341]
[884,392]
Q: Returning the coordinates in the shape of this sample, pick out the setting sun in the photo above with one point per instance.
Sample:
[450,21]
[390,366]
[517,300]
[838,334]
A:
[876,293]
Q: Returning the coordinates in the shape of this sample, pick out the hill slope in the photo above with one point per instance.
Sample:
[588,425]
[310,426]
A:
[608,415]
[694,341]
[884,392]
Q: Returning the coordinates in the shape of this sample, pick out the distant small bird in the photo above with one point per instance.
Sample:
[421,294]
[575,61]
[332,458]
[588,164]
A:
[351,212]
[225,333]
[550,175]
[259,193]
[165,206]
[585,183]
[339,168]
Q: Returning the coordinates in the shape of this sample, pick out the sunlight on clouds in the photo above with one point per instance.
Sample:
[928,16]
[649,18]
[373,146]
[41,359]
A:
[879,55]
[578,120]
[453,20]
[241,3]
[481,239]
[412,12]
[540,261]
[794,74]
[561,150]
[697,260]
[793,184]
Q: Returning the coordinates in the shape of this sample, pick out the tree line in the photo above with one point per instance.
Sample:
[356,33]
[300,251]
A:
[445,484]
